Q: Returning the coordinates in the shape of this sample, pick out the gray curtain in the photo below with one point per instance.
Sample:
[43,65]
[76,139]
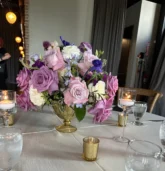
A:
[158,80]
[107,31]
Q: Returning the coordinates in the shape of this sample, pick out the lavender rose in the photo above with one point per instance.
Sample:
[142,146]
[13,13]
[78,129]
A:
[45,79]
[77,92]
[23,79]
[85,46]
[54,59]
[112,85]
[102,110]
[23,101]
[54,85]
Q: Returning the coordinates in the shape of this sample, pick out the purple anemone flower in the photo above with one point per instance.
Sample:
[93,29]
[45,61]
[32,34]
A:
[38,64]
[64,42]
[97,65]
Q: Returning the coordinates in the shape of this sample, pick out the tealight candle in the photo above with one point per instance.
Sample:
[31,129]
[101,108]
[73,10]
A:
[6,104]
[126,102]
[90,148]
[122,119]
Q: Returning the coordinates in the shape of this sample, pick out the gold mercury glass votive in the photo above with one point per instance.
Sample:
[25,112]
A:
[90,148]
[11,119]
[122,119]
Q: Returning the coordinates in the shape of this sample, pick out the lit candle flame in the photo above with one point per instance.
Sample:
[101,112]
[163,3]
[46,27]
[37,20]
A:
[5,97]
[127,96]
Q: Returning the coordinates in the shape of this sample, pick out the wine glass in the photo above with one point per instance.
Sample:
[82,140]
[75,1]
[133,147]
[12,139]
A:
[11,142]
[7,104]
[127,99]
[142,156]
[139,109]
[162,138]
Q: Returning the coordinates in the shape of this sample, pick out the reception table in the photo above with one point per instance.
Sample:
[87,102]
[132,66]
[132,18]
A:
[45,149]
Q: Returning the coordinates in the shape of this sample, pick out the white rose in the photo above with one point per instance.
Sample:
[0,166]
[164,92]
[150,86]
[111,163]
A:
[98,90]
[36,97]
[70,52]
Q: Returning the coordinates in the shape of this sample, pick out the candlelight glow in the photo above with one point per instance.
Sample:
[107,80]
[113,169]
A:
[20,48]
[127,96]
[22,52]
[11,17]
[5,97]
[18,39]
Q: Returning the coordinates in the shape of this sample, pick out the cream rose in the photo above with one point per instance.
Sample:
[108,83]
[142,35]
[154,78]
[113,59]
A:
[36,97]
[70,51]
[98,90]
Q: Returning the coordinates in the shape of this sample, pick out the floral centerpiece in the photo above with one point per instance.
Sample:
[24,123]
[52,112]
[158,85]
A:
[70,76]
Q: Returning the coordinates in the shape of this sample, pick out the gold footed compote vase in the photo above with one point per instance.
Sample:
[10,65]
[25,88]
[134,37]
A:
[67,114]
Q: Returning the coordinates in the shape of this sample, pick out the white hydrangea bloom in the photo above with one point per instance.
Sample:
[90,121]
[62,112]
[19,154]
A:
[69,52]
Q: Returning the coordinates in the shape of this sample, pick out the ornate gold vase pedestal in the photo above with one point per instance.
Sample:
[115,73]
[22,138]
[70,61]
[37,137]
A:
[66,113]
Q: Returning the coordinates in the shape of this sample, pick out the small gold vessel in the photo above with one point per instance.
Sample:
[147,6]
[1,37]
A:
[122,119]
[66,113]
[90,148]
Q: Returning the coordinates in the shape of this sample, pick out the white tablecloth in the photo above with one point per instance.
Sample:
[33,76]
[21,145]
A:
[45,149]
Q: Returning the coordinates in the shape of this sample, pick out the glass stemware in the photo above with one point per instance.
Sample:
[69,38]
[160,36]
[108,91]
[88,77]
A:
[139,109]
[142,156]
[11,142]
[7,104]
[127,99]
[162,138]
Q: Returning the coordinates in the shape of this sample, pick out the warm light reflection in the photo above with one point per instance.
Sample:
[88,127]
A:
[11,17]
[127,96]
[22,52]
[125,40]
[5,95]
[20,48]
[18,39]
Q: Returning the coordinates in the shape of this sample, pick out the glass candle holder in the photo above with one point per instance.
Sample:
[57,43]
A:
[122,119]
[90,148]
[7,104]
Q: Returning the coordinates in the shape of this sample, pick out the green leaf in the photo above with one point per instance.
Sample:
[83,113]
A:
[97,53]
[80,112]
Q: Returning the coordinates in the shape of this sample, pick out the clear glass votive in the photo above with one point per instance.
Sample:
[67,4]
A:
[142,156]
[11,142]
[90,148]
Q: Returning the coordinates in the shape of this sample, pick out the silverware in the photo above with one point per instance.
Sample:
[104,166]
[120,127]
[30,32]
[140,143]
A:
[155,120]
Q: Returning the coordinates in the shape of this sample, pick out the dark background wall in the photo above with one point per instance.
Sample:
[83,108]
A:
[8,32]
